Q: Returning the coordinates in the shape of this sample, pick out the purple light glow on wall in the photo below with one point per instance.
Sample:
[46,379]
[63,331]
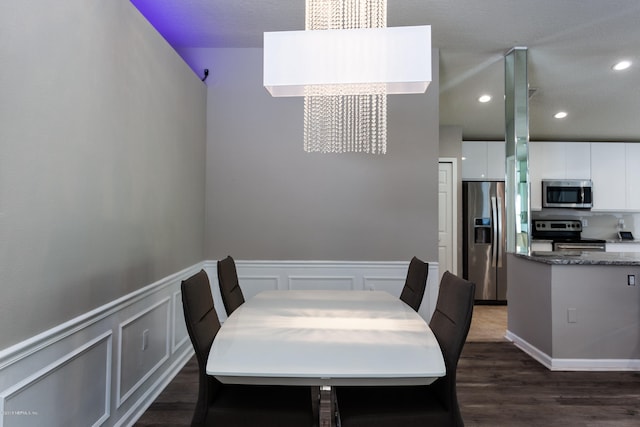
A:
[179,22]
[158,17]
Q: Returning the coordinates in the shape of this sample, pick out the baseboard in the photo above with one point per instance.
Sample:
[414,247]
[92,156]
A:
[532,351]
[96,361]
[557,364]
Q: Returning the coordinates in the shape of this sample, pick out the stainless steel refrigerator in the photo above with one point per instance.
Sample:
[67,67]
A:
[484,239]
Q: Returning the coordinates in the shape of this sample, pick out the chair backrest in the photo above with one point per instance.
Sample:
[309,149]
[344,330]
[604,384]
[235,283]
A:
[229,287]
[450,324]
[415,283]
[203,324]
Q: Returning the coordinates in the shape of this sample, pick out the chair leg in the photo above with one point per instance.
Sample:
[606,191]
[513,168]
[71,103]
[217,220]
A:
[315,405]
[336,409]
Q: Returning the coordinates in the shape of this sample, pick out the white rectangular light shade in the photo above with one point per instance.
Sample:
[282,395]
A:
[348,60]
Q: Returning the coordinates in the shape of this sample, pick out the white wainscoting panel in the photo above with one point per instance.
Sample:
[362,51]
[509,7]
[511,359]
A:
[144,344]
[389,276]
[63,376]
[179,334]
[253,284]
[334,283]
[381,283]
[76,386]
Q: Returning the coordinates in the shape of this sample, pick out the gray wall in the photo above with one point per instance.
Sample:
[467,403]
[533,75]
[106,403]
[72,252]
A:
[268,199]
[606,310]
[102,171]
[451,142]
[530,303]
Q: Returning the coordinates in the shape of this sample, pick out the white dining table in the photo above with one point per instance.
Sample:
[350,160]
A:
[325,338]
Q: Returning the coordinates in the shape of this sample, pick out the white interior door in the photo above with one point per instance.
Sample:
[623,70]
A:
[447,251]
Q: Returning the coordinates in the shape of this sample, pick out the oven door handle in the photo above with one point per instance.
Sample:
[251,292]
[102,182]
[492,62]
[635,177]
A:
[579,247]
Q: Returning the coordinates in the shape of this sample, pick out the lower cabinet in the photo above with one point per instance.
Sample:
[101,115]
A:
[541,246]
[623,247]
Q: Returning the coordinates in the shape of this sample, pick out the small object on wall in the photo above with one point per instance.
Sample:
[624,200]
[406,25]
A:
[206,74]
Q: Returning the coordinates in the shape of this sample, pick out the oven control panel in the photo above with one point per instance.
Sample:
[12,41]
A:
[551,225]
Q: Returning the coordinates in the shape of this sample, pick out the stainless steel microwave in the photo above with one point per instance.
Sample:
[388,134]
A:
[568,193]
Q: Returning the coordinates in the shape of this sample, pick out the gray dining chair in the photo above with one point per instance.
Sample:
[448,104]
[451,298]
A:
[412,406]
[415,283]
[230,290]
[235,405]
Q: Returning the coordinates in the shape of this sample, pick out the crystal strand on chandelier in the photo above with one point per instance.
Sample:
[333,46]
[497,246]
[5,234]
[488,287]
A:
[345,123]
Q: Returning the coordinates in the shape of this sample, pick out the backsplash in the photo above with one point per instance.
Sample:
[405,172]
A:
[596,225]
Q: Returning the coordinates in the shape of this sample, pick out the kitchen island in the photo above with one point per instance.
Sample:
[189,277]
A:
[577,310]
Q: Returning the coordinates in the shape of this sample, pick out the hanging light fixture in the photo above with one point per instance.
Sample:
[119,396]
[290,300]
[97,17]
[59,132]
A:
[344,64]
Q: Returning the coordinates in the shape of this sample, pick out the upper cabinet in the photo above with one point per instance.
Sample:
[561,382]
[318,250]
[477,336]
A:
[608,172]
[556,160]
[615,174]
[632,175]
[483,160]
[614,168]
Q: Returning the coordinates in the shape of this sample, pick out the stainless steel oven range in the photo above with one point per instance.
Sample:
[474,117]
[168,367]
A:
[566,235]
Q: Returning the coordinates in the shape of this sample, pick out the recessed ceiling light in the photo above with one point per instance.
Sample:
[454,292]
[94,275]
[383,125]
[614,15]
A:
[560,115]
[622,65]
[484,98]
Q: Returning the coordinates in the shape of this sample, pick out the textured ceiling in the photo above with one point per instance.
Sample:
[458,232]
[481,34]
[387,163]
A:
[572,46]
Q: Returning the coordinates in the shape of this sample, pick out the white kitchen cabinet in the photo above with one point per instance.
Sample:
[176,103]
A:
[474,160]
[623,247]
[483,160]
[537,160]
[577,160]
[548,158]
[632,175]
[556,160]
[496,160]
[541,246]
[608,172]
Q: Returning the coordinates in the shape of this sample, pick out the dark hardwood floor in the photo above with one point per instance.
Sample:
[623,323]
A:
[498,385]
[174,406]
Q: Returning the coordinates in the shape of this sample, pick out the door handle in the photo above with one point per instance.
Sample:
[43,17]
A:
[494,232]
[500,232]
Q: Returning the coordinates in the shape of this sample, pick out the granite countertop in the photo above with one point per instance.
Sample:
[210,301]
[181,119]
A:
[611,240]
[584,258]
[614,240]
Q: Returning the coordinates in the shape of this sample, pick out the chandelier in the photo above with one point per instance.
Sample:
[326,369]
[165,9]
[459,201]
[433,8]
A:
[345,123]
[344,64]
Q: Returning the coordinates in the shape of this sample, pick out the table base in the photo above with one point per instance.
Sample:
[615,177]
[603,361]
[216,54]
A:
[328,416]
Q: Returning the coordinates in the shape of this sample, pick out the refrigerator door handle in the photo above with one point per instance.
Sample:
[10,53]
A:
[494,231]
[500,232]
